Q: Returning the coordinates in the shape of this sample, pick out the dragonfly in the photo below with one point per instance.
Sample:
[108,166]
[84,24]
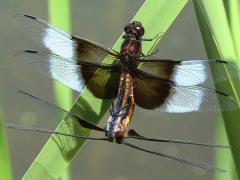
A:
[132,78]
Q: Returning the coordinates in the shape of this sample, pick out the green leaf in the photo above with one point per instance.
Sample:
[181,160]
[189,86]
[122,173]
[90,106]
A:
[220,43]
[233,11]
[59,16]
[223,155]
[5,162]
[56,155]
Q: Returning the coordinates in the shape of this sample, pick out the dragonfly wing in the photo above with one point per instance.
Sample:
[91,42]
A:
[166,96]
[102,80]
[189,72]
[61,43]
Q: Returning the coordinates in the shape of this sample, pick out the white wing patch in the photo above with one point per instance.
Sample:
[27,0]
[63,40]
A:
[180,101]
[187,74]
[67,73]
[62,45]
[59,44]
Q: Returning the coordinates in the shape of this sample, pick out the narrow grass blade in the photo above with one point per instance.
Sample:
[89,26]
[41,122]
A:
[5,162]
[59,16]
[56,155]
[233,10]
[219,44]
[223,156]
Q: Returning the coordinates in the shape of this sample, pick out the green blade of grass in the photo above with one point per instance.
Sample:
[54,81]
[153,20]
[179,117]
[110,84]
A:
[219,44]
[234,23]
[56,155]
[223,156]
[5,165]
[59,16]
[233,10]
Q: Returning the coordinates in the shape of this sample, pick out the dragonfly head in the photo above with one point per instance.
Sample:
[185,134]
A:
[134,28]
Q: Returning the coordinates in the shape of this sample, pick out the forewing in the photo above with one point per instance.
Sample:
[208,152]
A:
[102,80]
[164,95]
[188,72]
[61,43]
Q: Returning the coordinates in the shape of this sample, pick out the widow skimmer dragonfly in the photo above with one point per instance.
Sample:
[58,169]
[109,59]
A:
[131,77]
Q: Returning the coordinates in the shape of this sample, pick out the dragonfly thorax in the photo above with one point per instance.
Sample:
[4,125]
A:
[130,52]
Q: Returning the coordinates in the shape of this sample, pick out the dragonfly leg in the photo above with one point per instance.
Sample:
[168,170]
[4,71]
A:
[157,36]
[115,51]
[145,56]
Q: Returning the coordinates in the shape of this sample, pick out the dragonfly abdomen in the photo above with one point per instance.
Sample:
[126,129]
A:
[121,112]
